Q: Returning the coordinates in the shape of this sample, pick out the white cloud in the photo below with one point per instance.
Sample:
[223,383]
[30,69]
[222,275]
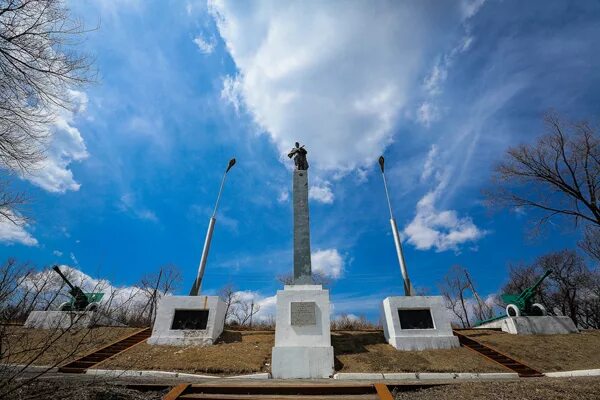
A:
[284,196]
[471,7]
[232,92]
[74,259]
[328,262]
[429,166]
[321,193]
[206,46]
[427,113]
[442,230]
[439,229]
[314,72]
[11,233]
[66,145]
[266,304]
[129,205]
[57,253]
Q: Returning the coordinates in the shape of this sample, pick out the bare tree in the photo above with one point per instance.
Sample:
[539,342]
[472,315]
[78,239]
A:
[231,298]
[591,242]
[38,71]
[454,289]
[244,311]
[155,286]
[558,175]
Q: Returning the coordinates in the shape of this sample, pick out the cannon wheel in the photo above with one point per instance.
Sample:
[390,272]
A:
[66,306]
[513,311]
[92,307]
[538,309]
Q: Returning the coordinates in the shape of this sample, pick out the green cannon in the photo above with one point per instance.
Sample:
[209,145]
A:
[80,301]
[522,304]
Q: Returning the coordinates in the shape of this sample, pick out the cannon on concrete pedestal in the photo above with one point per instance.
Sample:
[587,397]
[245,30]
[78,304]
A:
[80,301]
[522,304]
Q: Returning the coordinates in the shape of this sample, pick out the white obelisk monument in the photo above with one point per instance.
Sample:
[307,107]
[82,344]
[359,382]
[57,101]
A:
[302,333]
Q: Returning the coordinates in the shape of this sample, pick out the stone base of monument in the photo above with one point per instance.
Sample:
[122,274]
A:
[188,320]
[418,323]
[68,320]
[302,334]
[534,325]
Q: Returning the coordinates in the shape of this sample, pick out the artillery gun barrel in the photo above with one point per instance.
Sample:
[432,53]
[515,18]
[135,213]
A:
[64,278]
[539,281]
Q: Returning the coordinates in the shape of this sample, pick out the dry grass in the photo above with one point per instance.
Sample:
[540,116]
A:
[82,390]
[235,353]
[548,352]
[530,389]
[369,352]
[52,347]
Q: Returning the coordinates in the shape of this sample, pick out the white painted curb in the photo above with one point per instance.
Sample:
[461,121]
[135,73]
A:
[573,374]
[426,375]
[148,374]
[30,368]
[262,375]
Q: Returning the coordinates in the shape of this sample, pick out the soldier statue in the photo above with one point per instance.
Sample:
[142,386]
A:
[299,154]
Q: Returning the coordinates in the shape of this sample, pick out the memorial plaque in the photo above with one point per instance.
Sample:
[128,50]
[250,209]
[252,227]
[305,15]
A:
[415,319]
[190,319]
[303,313]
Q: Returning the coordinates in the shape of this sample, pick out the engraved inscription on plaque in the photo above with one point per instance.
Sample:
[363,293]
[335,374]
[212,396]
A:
[303,313]
[415,319]
[190,319]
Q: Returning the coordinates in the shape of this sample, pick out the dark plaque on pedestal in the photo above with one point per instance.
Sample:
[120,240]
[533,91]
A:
[415,319]
[190,319]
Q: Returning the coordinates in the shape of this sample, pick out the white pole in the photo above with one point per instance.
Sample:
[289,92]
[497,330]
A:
[407,285]
[211,226]
[408,289]
[198,282]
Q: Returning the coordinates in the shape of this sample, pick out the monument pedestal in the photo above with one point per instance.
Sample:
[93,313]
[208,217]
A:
[417,323]
[533,325]
[188,320]
[302,334]
[68,320]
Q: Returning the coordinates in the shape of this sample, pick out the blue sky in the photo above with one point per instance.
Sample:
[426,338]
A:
[440,88]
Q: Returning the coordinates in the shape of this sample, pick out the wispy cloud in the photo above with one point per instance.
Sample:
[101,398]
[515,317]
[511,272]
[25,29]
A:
[128,204]
[206,46]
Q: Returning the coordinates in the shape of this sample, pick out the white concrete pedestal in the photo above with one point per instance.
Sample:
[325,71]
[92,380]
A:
[302,334]
[533,325]
[171,326]
[417,323]
[68,320]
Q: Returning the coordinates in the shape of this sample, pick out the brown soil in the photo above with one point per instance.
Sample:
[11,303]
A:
[246,352]
[369,352]
[546,353]
[530,389]
[55,347]
[235,353]
[79,390]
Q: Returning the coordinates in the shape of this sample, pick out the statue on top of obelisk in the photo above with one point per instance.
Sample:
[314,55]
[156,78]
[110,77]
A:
[302,264]
[299,154]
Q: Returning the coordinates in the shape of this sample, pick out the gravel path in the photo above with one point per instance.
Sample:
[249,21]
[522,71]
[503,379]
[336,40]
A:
[525,389]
